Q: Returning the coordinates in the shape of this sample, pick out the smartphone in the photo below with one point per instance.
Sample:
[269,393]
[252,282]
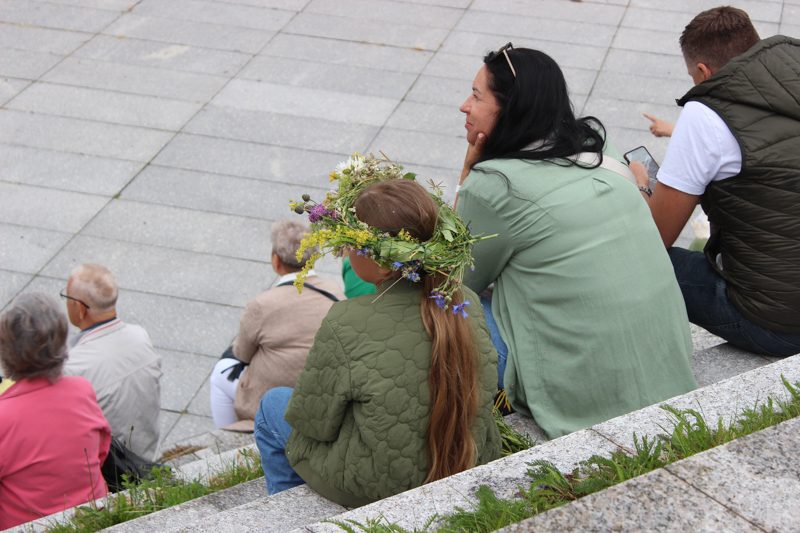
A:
[641,155]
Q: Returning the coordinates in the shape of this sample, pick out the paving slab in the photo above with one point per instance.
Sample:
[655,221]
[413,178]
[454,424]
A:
[39,39]
[183,229]
[183,374]
[591,12]
[433,16]
[655,502]
[332,76]
[389,33]
[280,129]
[65,170]
[566,54]
[201,191]
[215,35]
[37,130]
[26,249]
[105,106]
[26,64]
[722,362]
[150,81]
[11,283]
[348,53]
[300,101]
[201,277]
[426,149]
[178,57]
[250,160]
[752,476]
[282,512]
[66,17]
[243,16]
[19,202]
[194,510]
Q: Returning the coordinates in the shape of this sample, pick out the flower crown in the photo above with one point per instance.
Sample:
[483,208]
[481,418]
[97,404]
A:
[334,227]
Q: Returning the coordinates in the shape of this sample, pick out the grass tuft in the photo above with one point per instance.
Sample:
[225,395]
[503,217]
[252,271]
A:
[163,490]
[550,488]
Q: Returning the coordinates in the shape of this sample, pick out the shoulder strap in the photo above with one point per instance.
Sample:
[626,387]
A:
[307,285]
[609,163]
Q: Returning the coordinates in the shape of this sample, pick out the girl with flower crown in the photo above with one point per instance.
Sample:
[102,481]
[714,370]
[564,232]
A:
[397,389]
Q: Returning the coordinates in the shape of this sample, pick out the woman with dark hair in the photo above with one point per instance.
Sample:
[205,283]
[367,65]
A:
[585,297]
[397,388]
[53,435]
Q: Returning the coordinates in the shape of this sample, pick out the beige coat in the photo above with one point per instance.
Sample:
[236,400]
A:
[275,334]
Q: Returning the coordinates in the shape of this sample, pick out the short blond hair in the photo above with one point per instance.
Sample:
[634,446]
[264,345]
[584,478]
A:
[95,285]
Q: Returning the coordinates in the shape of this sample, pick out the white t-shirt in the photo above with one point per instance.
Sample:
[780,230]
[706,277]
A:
[702,149]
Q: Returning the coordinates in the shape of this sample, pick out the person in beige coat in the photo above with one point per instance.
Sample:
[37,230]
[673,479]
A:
[117,358]
[276,332]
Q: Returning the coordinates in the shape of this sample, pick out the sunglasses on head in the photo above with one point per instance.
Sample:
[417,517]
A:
[491,56]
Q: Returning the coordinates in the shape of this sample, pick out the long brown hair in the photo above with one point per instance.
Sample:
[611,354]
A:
[452,380]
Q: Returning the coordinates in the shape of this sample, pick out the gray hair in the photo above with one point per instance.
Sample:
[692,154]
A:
[33,338]
[95,285]
[286,237]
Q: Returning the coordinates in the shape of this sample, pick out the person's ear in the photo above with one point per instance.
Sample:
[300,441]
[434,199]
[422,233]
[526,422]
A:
[704,70]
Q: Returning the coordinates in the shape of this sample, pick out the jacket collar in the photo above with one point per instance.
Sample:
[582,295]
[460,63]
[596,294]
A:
[25,386]
[99,330]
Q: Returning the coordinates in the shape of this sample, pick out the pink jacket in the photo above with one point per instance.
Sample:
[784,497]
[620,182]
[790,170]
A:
[53,441]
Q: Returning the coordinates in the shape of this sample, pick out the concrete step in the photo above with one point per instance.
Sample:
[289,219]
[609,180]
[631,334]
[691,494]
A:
[194,510]
[724,399]
[293,508]
[211,443]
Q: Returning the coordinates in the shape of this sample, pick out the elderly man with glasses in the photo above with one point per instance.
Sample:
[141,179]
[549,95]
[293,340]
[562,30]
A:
[118,359]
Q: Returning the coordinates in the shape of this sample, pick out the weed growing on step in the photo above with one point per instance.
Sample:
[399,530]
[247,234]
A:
[163,490]
[550,488]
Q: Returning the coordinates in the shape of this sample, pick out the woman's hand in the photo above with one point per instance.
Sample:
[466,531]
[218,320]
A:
[474,152]
[659,127]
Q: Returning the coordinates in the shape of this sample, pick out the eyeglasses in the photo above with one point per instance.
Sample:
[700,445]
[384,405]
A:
[491,56]
[67,297]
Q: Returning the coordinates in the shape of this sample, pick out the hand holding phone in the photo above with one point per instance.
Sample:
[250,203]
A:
[641,155]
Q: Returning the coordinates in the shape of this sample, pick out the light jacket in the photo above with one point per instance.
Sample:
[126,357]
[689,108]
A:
[275,334]
[119,361]
[360,409]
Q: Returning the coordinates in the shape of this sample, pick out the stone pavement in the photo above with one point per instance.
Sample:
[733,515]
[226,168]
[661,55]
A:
[162,137]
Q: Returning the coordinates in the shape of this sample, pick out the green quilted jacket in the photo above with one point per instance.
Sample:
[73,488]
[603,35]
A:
[359,411]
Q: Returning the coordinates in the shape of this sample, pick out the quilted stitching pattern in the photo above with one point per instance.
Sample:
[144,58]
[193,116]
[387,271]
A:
[360,407]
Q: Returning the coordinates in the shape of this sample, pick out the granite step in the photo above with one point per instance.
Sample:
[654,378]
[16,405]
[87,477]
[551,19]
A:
[724,399]
[194,510]
[753,481]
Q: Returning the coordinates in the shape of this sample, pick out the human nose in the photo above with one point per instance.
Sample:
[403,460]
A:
[465,106]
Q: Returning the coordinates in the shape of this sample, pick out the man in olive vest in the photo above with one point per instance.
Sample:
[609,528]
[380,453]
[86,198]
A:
[736,150]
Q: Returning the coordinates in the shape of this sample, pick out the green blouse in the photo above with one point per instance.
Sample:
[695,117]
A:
[585,296]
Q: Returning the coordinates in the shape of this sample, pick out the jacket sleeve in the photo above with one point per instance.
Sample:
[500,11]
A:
[490,255]
[247,341]
[323,390]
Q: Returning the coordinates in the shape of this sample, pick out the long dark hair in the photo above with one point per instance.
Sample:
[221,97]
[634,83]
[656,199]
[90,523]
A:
[453,376]
[535,106]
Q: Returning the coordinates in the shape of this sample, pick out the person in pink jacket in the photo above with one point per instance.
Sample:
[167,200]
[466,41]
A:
[53,436]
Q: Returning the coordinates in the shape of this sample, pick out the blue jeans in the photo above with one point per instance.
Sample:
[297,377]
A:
[271,432]
[497,339]
[708,306]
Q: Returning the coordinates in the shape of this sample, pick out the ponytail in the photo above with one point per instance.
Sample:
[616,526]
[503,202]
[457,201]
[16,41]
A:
[452,385]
